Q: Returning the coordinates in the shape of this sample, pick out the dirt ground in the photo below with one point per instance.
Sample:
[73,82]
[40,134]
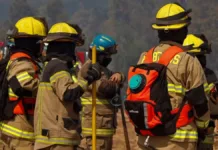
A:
[119,138]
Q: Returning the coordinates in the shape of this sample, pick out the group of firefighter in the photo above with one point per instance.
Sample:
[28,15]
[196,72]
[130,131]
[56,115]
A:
[51,104]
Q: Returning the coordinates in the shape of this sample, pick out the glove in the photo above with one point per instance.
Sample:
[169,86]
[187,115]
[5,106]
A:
[206,135]
[93,73]
[209,137]
[201,134]
[214,94]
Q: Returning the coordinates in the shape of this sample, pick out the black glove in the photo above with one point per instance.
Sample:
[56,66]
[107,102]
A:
[202,134]
[211,124]
[93,73]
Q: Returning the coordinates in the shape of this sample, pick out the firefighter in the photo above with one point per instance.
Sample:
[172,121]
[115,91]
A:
[56,120]
[17,127]
[198,45]
[185,78]
[107,88]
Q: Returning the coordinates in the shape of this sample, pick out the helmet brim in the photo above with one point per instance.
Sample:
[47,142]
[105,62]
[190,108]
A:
[60,38]
[169,27]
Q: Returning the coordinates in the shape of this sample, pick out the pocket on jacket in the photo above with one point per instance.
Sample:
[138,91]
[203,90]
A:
[105,120]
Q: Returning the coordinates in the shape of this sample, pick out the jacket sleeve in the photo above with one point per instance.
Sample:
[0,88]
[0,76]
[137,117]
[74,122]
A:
[197,94]
[65,88]
[104,87]
[213,85]
[123,77]
[21,77]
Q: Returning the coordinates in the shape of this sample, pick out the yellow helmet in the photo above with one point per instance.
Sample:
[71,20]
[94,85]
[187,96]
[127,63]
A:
[197,44]
[29,27]
[171,16]
[65,32]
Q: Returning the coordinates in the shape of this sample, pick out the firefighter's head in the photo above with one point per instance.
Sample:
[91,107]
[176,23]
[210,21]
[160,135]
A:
[198,45]
[62,40]
[105,46]
[172,23]
[27,32]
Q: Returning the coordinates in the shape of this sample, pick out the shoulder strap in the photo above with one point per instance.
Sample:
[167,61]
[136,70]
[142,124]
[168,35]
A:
[21,55]
[149,56]
[168,55]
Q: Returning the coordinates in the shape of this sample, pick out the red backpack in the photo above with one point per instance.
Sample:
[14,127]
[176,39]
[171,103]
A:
[148,102]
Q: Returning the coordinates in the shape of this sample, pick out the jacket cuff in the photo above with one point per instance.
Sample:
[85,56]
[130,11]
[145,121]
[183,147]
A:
[202,124]
[83,84]
[123,77]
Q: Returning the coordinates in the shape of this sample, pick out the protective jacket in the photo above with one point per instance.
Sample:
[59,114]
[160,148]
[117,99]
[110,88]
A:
[185,73]
[212,82]
[23,83]
[56,114]
[106,112]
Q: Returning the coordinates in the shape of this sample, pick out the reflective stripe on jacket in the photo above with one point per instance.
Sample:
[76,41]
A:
[182,135]
[16,132]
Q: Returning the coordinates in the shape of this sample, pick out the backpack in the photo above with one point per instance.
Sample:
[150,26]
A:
[4,85]
[148,102]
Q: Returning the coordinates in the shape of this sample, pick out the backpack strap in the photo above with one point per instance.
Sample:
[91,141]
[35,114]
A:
[168,55]
[21,56]
[149,56]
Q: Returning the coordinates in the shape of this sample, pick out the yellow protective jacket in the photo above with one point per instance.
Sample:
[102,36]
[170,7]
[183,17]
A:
[23,82]
[184,73]
[106,112]
[57,118]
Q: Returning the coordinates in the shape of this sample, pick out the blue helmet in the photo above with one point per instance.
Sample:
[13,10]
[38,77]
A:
[104,43]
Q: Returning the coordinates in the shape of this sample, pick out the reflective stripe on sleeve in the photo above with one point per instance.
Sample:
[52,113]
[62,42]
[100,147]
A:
[16,132]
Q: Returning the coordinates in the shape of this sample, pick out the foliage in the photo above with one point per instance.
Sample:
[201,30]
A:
[128,21]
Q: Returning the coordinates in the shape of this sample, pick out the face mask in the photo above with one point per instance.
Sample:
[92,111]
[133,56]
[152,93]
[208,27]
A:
[202,60]
[69,64]
[105,61]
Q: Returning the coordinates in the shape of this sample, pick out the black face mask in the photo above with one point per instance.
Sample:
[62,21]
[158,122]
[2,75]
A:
[104,60]
[29,45]
[173,35]
[61,50]
[202,60]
